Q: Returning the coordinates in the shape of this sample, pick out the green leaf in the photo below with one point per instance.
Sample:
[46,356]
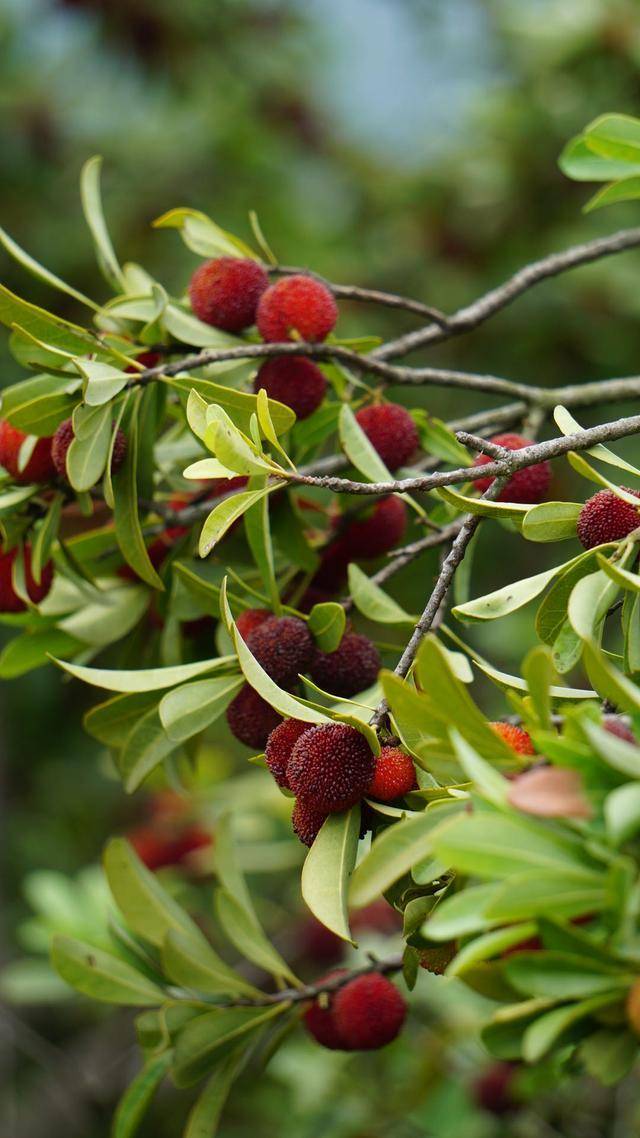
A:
[101,975]
[102,381]
[102,623]
[373,602]
[327,870]
[92,208]
[551,521]
[395,851]
[146,746]
[358,449]
[552,613]
[540,1037]
[619,754]
[125,505]
[111,722]
[206,1112]
[560,976]
[133,1105]
[146,906]
[45,535]
[461,914]
[37,270]
[240,404]
[622,577]
[187,710]
[50,329]
[538,672]
[192,963]
[506,600]
[584,468]
[488,781]
[514,683]
[438,440]
[202,235]
[38,405]
[327,624]
[214,1034]
[222,517]
[231,446]
[626,190]
[622,812]
[569,426]
[614,136]
[33,650]
[579,162]
[609,1054]
[480,506]
[609,682]
[490,845]
[243,930]
[146,679]
[258,533]
[489,945]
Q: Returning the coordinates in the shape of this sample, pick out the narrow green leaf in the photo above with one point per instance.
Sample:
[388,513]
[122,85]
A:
[187,710]
[242,929]
[551,521]
[37,270]
[125,505]
[212,1035]
[207,1110]
[395,851]
[146,906]
[92,207]
[101,975]
[373,602]
[147,679]
[193,963]
[327,624]
[327,870]
[134,1102]
[146,746]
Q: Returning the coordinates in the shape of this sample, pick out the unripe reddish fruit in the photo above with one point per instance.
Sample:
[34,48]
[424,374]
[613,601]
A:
[391,431]
[251,719]
[633,1007]
[378,533]
[353,666]
[225,292]
[605,517]
[394,775]
[515,737]
[330,767]
[319,1021]
[307,821]
[528,485]
[294,381]
[368,1012]
[280,744]
[493,1090]
[63,438]
[250,619]
[617,726]
[40,466]
[283,647]
[9,599]
[297,304]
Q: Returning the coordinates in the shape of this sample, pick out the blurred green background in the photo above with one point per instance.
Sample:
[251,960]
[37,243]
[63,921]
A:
[409,145]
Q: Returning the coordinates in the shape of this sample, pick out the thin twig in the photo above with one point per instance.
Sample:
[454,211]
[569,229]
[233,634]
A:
[371,295]
[312,991]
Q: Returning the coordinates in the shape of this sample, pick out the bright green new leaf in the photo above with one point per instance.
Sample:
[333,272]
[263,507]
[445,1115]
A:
[327,871]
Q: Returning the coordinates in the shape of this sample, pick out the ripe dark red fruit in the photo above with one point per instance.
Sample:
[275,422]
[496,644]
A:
[280,744]
[64,437]
[9,599]
[391,431]
[40,466]
[295,381]
[330,767]
[615,725]
[368,1012]
[250,619]
[146,359]
[605,517]
[283,647]
[251,719]
[376,534]
[516,737]
[353,666]
[306,821]
[394,775]
[157,848]
[319,1021]
[225,292]
[297,304]
[493,1090]
[528,485]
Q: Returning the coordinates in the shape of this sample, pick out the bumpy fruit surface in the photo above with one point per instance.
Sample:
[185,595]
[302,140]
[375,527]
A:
[63,438]
[391,431]
[295,381]
[330,767]
[280,744]
[296,304]
[307,821]
[528,485]
[605,517]
[225,292]
[319,1020]
[9,599]
[283,647]
[516,737]
[250,619]
[394,775]
[251,719]
[376,534]
[353,666]
[40,466]
[369,1012]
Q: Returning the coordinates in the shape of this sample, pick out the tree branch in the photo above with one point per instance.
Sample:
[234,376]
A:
[312,991]
[370,295]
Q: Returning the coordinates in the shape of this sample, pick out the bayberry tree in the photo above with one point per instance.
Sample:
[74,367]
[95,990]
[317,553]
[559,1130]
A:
[207,510]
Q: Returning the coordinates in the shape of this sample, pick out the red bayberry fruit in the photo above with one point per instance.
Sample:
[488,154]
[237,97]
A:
[250,619]
[40,466]
[369,1012]
[283,647]
[330,767]
[319,1020]
[617,726]
[606,517]
[147,360]
[158,849]
[64,437]
[9,599]
[391,431]
[306,821]
[295,381]
[280,744]
[378,917]
[353,666]
[493,1089]
[251,719]
[296,304]
[528,485]
[225,292]
[515,737]
[317,944]
[394,775]
[376,534]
